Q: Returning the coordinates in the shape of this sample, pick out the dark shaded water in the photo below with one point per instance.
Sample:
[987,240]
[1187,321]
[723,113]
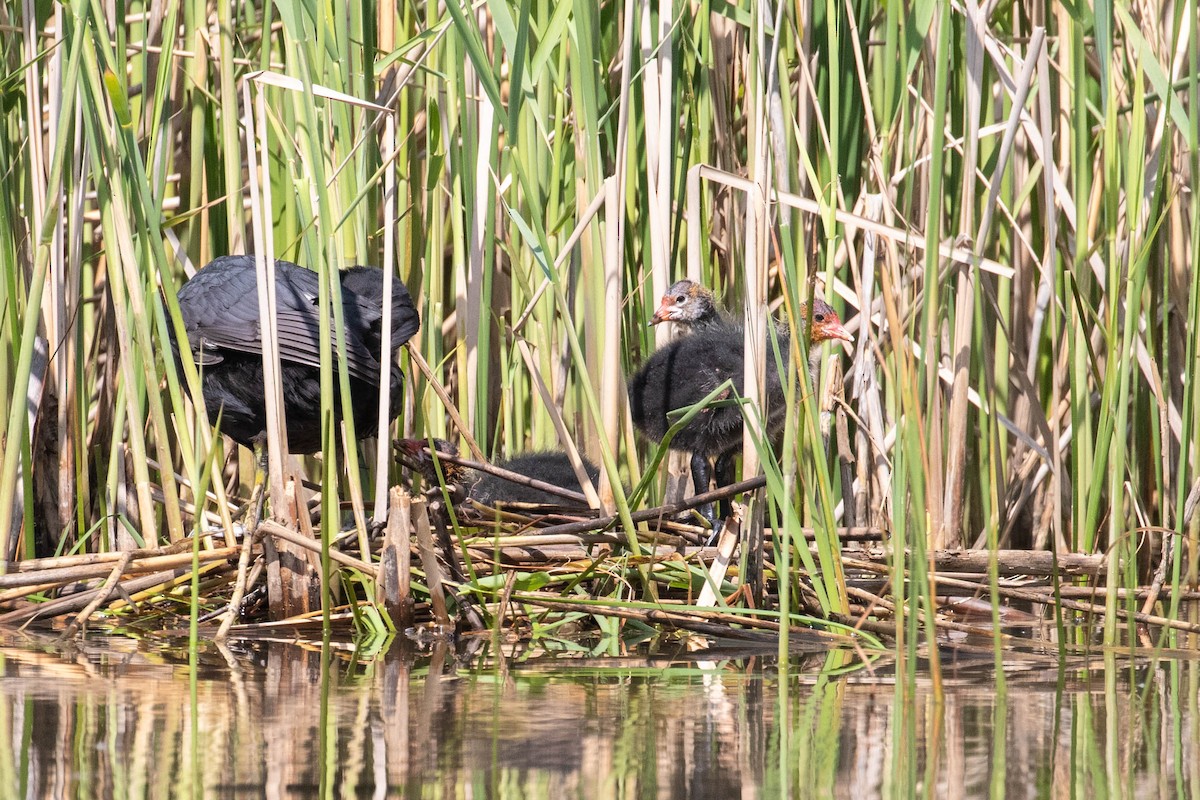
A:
[115,719]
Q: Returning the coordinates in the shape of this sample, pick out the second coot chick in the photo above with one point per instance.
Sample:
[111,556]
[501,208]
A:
[684,372]
[219,306]
[552,467]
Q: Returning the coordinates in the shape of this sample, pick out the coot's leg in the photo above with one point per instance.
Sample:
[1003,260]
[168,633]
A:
[723,473]
[258,491]
[701,473]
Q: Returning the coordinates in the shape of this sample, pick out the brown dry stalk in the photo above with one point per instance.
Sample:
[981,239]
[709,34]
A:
[272,528]
[102,596]
[132,564]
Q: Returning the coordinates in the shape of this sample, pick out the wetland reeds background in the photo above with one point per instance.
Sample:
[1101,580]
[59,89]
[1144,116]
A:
[997,199]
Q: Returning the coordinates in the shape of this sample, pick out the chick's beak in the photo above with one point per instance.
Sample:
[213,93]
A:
[663,313]
[835,330]
[408,452]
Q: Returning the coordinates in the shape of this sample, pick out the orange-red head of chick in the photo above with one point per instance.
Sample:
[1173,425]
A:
[825,323]
[414,454]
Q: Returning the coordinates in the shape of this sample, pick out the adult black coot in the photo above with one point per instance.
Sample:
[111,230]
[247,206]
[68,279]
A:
[552,467]
[687,370]
[219,306]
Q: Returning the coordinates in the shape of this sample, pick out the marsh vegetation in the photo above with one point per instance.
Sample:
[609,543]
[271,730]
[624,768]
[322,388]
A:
[997,200]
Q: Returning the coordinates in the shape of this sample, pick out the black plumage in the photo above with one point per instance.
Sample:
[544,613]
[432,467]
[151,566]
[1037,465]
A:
[550,466]
[682,374]
[219,306]
[690,368]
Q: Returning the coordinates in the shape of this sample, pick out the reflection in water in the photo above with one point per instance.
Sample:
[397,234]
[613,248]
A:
[281,720]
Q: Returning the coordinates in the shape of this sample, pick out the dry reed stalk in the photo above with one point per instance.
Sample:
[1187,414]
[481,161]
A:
[582,539]
[102,595]
[274,529]
[395,561]
[612,383]
[433,572]
[853,222]
[730,536]
[83,559]
[589,495]
[65,605]
[1011,562]
[12,595]
[1013,593]
[388,152]
[1047,598]
[562,555]
[710,623]
[255,124]
[142,593]
[1144,593]
[516,477]
[131,562]
[415,357]
[239,586]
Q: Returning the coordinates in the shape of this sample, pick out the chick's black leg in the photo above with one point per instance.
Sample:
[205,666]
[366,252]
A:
[723,474]
[701,475]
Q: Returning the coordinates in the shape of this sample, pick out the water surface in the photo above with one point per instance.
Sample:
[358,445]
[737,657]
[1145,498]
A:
[275,719]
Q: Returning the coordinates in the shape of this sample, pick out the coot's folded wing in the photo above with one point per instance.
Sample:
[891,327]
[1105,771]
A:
[299,341]
[220,309]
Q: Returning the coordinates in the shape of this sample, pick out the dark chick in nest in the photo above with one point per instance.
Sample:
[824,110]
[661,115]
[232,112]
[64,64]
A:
[552,467]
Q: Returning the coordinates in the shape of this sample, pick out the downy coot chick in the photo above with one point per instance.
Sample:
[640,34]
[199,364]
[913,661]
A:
[552,467]
[689,305]
[219,306]
[684,372]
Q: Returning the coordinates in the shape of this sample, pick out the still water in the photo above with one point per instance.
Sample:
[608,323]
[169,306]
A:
[280,720]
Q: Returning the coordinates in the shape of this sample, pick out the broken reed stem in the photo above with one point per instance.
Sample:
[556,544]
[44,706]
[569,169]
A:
[65,605]
[395,561]
[272,528]
[133,564]
[433,572]
[239,587]
[102,596]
